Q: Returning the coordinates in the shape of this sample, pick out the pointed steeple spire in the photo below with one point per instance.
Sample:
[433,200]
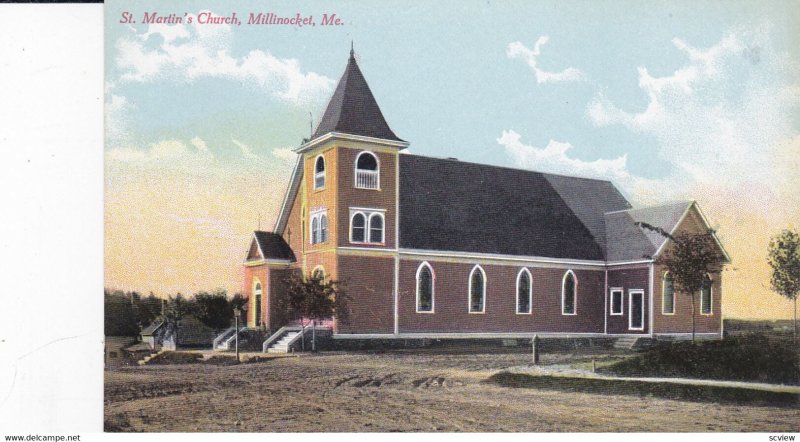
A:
[353,109]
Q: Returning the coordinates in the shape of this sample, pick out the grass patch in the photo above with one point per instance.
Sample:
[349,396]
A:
[750,358]
[176,357]
[695,393]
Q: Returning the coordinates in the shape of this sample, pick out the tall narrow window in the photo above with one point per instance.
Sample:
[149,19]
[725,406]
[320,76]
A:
[314,230]
[319,172]
[424,288]
[319,226]
[323,227]
[705,296]
[569,290]
[477,290]
[358,228]
[367,171]
[257,304]
[524,291]
[667,295]
[616,302]
[376,228]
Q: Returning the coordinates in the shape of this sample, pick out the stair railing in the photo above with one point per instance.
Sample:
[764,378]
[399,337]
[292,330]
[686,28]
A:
[222,336]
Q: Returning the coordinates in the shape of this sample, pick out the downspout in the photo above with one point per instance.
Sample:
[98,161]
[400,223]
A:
[650,325]
[605,305]
[397,243]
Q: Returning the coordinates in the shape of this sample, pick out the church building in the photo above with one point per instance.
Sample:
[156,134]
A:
[441,248]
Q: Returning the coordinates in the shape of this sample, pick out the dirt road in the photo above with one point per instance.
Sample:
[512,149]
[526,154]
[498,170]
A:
[397,391]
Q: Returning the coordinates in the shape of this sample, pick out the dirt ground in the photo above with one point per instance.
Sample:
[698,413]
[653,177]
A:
[395,391]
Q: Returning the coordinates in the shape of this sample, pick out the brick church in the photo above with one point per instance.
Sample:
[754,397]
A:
[442,248]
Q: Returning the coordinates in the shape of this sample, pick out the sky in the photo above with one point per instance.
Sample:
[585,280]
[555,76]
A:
[668,100]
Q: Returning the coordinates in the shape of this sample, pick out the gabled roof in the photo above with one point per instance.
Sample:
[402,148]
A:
[150,329]
[589,200]
[451,205]
[272,246]
[627,241]
[353,109]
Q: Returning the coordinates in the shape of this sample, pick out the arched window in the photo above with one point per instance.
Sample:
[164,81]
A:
[376,228]
[323,227]
[257,303]
[705,296]
[477,290]
[667,295]
[319,172]
[367,171]
[318,273]
[424,288]
[569,290]
[524,291]
[358,228]
[314,230]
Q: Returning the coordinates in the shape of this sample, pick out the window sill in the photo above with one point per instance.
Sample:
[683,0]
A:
[425,312]
[477,313]
[569,314]
[616,314]
[524,313]
[667,314]
[368,188]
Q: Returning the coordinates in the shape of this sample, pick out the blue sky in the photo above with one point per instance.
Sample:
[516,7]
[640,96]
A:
[669,100]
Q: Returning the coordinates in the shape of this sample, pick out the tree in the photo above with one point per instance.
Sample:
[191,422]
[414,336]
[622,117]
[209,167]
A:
[213,309]
[120,318]
[314,298]
[784,258]
[689,261]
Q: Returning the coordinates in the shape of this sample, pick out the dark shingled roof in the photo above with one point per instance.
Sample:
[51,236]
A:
[273,246]
[589,200]
[465,207]
[353,109]
[627,241]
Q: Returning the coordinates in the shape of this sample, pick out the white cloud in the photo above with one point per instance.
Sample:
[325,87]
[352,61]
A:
[284,153]
[117,111]
[518,50]
[722,118]
[164,152]
[555,158]
[188,52]
[247,152]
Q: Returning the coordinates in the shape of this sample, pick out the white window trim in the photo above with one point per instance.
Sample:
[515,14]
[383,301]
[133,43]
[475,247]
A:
[530,292]
[469,291]
[316,215]
[563,293]
[323,173]
[252,316]
[621,292]
[367,214]
[630,309]
[433,287]
[710,298]
[664,295]
[383,228]
[356,169]
[321,269]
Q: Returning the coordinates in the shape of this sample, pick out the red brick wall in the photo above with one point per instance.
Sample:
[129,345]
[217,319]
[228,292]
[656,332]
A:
[681,321]
[369,284]
[349,196]
[627,279]
[278,288]
[262,273]
[451,301]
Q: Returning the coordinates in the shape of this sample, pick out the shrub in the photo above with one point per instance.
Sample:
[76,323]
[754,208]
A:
[755,358]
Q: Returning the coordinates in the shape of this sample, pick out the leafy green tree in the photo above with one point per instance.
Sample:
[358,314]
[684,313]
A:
[214,309]
[691,257]
[314,298]
[784,258]
[120,319]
